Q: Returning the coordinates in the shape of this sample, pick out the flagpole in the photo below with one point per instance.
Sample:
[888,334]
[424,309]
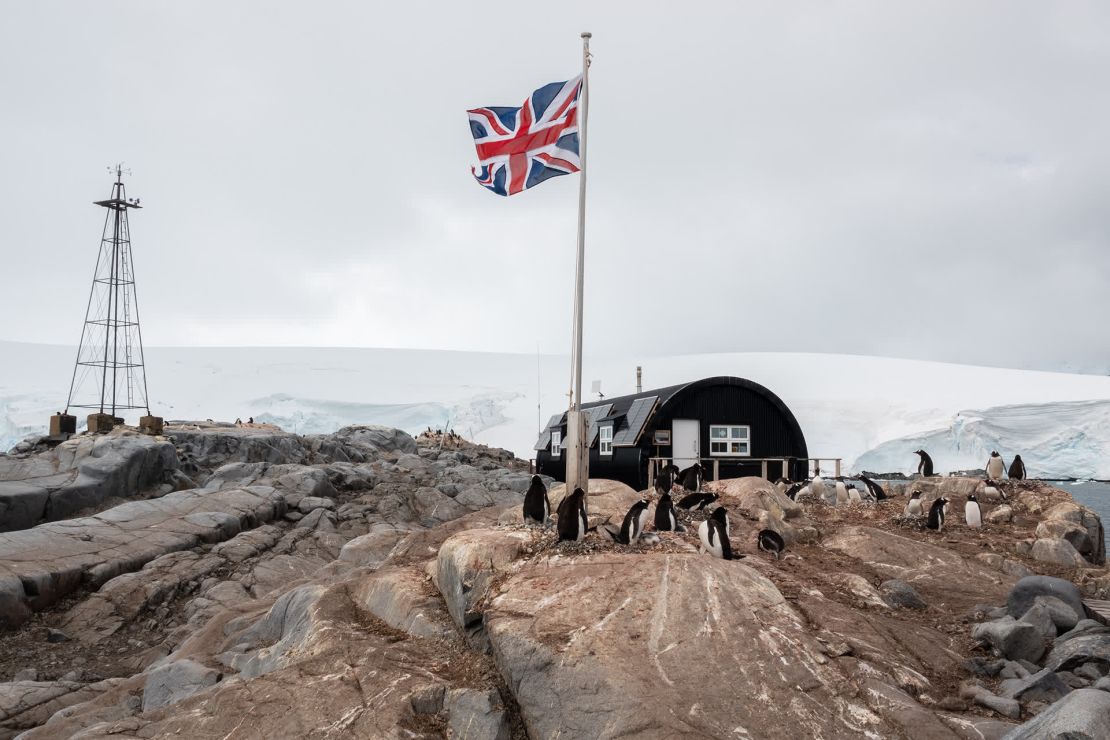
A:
[578,465]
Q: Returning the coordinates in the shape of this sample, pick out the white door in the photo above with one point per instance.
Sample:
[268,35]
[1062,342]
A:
[684,442]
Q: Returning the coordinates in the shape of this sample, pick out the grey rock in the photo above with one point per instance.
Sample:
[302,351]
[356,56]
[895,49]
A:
[901,594]
[1063,616]
[1039,617]
[309,504]
[1011,638]
[1012,669]
[1082,628]
[1001,515]
[1103,684]
[1041,686]
[321,520]
[1025,592]
[1081,715]
[373,441]
[1006,707]
[293,516]
[428,700]
[1079,650]
[474,714]
[1058,552]
[172,682]
[27,674]
[1091,671]
[989,668]
[54,635]
[1073,680]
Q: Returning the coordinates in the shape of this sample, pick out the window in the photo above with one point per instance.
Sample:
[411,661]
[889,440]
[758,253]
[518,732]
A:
[729,440]
[606,437]
[556,442]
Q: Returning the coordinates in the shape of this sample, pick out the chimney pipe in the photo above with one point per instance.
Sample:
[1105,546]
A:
[639,379]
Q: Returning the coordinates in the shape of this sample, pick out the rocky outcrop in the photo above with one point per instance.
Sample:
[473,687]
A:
[83,473]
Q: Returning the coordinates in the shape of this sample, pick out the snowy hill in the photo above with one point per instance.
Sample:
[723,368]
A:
[852,407]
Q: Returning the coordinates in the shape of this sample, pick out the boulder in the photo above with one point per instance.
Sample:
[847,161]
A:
[1001,515]
[1079,650]
[901,594]
[171,682]
[984,698]
[1062,615]
[1025,592]
[751,496]
[1080,715]
[468,561]
[1039,616]
[1043,685]
[309,504]
[1092,546]
[475,715]
[373,440]
[609,646]
[1011,639]
[1057,552]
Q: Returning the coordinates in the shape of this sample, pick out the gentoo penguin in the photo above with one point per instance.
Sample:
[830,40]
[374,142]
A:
[537,507]
[841,492]
[632,526]
[936,514]
[666,479]
[913,508]
[697,501]
[665,519]
[692,477]
[803,493]
[925,467]
[713,533]
[853,495]
[876,490]
[792,491]
[1017,469]
[973,514]
[572,517]
[771,541]
[818,488]
[995,467]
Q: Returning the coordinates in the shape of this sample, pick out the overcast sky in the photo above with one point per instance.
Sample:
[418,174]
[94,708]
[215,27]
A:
[927,180]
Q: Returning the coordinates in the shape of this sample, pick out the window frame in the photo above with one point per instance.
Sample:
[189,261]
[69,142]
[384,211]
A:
[556,442]
[729,440]
[603,441]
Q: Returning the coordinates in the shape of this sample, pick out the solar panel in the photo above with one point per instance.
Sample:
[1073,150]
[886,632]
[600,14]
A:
[545,435]
[638,414]
[593,416]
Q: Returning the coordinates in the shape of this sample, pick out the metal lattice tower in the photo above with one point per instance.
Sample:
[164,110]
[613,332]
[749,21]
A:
[109,374]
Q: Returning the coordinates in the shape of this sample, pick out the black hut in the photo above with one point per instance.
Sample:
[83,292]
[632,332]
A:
[735,425]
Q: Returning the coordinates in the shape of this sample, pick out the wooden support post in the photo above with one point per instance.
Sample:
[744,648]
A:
[763,469]
[652,462]
[838,467]
[716,470]
[785,468]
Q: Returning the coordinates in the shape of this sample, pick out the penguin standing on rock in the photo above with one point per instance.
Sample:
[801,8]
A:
[1017,469]
[537,506]
[818,488]
[925,467]
[973,514]
[771,541]
[996,467]
[573,524]
[666,479]
[936,514]
[632,526]
[692,477]
[713,533]
[665,519]
[875,489]
[913,508]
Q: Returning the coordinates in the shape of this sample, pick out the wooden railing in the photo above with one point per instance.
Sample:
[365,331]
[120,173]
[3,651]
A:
[813,465]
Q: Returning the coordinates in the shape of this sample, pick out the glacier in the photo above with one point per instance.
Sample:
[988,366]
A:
[866,410]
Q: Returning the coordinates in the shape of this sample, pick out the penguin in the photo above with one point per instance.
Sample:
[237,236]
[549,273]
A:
[996,467]
[666,479]
[692,477]
[853,495]
[697,501]
[793,490]
[841,492]
[936,514]
[973,514]
[572,517]
[913,508]
[925,467]
[1017,469]
[632,526]
[817,487]
[665,519]
[713,533]
[875,489]
[537,506]
[803,493]
[771,541]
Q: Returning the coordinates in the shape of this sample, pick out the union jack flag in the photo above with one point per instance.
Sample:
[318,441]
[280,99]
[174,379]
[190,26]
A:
[518,148]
